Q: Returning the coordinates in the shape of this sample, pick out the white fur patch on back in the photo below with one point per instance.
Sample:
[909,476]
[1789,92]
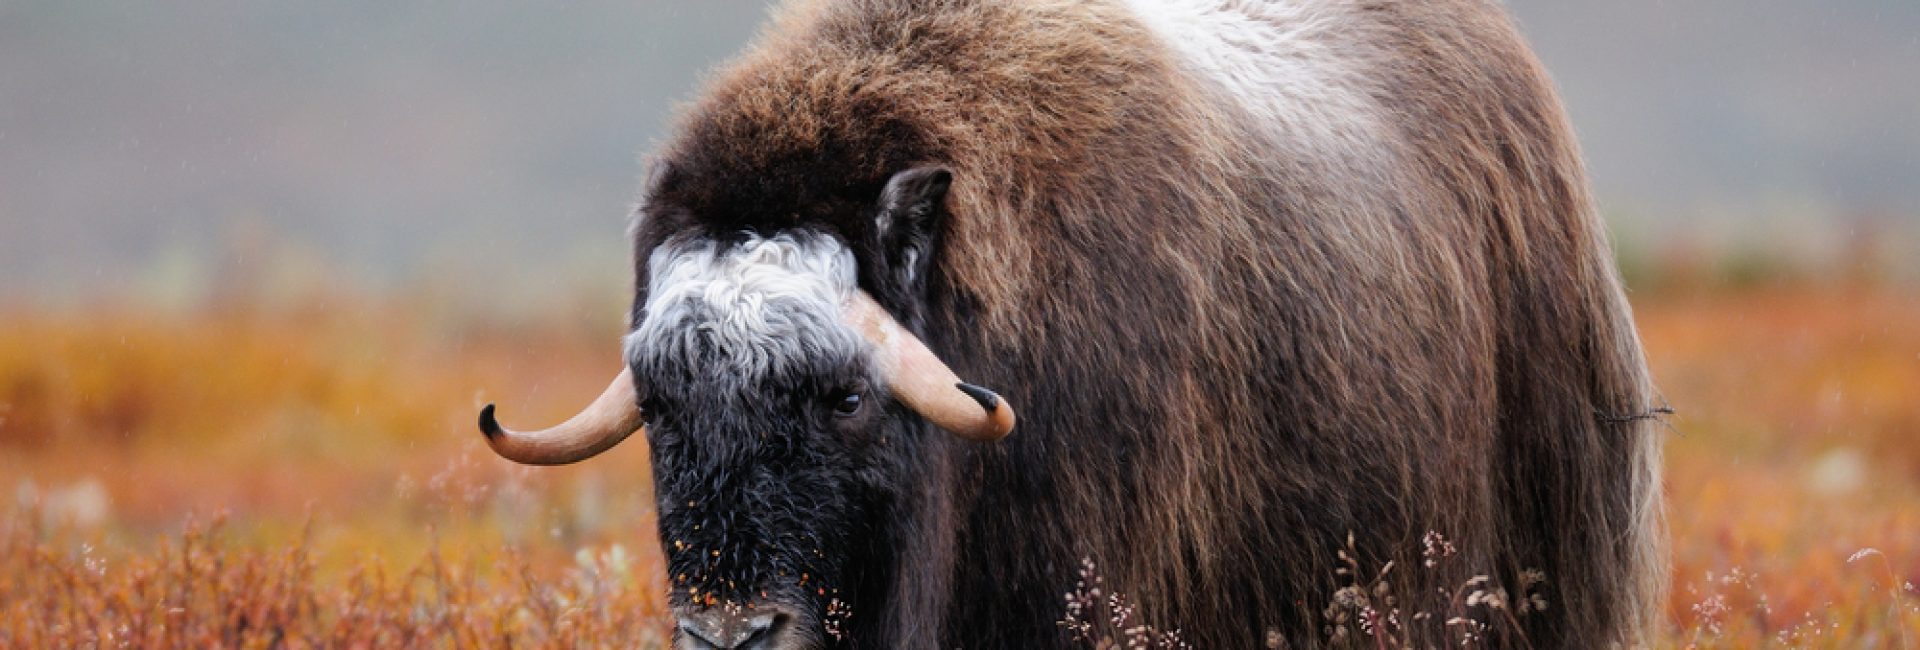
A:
[1286,62]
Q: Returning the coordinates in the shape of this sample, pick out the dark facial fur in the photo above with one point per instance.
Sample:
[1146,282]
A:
[776,447]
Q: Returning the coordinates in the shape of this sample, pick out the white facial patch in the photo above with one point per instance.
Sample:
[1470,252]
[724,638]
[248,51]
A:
[753,307]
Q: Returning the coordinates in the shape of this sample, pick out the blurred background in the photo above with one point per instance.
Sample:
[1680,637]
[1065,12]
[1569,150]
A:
[266,258]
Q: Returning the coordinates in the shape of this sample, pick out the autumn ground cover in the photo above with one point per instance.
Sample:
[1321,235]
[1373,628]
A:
[241,476]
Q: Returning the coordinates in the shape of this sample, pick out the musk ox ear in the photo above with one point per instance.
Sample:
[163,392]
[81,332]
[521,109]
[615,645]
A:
[906,223]
[917,190]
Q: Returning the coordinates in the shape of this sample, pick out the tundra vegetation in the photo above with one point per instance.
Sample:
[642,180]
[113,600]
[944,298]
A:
[235,475]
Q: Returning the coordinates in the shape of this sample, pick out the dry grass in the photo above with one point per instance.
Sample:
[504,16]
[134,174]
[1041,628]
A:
[1797,446]
[199,590]
[364,511]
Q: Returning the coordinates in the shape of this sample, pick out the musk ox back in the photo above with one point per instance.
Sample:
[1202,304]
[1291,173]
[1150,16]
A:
[1261,277]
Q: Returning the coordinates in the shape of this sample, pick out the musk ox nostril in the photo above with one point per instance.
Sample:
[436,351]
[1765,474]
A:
[719,629]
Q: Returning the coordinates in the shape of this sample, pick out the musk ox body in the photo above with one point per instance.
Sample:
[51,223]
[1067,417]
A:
[1260,277]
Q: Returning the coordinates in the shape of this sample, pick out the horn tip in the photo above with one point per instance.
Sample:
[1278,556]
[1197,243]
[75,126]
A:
[986,398]
[489,426]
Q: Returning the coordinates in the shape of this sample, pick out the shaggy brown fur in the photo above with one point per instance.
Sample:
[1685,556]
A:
[1230,346]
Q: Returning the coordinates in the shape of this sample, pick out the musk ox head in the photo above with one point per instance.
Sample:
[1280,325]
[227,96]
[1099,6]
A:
[777,394]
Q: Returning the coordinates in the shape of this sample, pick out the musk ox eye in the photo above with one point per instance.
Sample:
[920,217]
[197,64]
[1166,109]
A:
[847,405]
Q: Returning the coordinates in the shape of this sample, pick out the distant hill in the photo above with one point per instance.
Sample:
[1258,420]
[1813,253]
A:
[153,148]
[1741,105]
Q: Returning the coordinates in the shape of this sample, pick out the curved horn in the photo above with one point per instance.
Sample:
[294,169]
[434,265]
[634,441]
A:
[923,382]
[608,420]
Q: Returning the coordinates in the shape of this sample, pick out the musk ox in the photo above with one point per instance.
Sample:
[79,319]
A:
[1260,278]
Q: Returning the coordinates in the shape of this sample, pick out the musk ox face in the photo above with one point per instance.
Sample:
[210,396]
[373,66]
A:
[783,404]
[764,414]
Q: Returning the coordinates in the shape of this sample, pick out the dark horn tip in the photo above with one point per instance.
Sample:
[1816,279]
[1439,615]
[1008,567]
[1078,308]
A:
[987,399]
[487,424]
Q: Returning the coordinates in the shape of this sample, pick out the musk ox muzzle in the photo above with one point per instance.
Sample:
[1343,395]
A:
[739,628]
